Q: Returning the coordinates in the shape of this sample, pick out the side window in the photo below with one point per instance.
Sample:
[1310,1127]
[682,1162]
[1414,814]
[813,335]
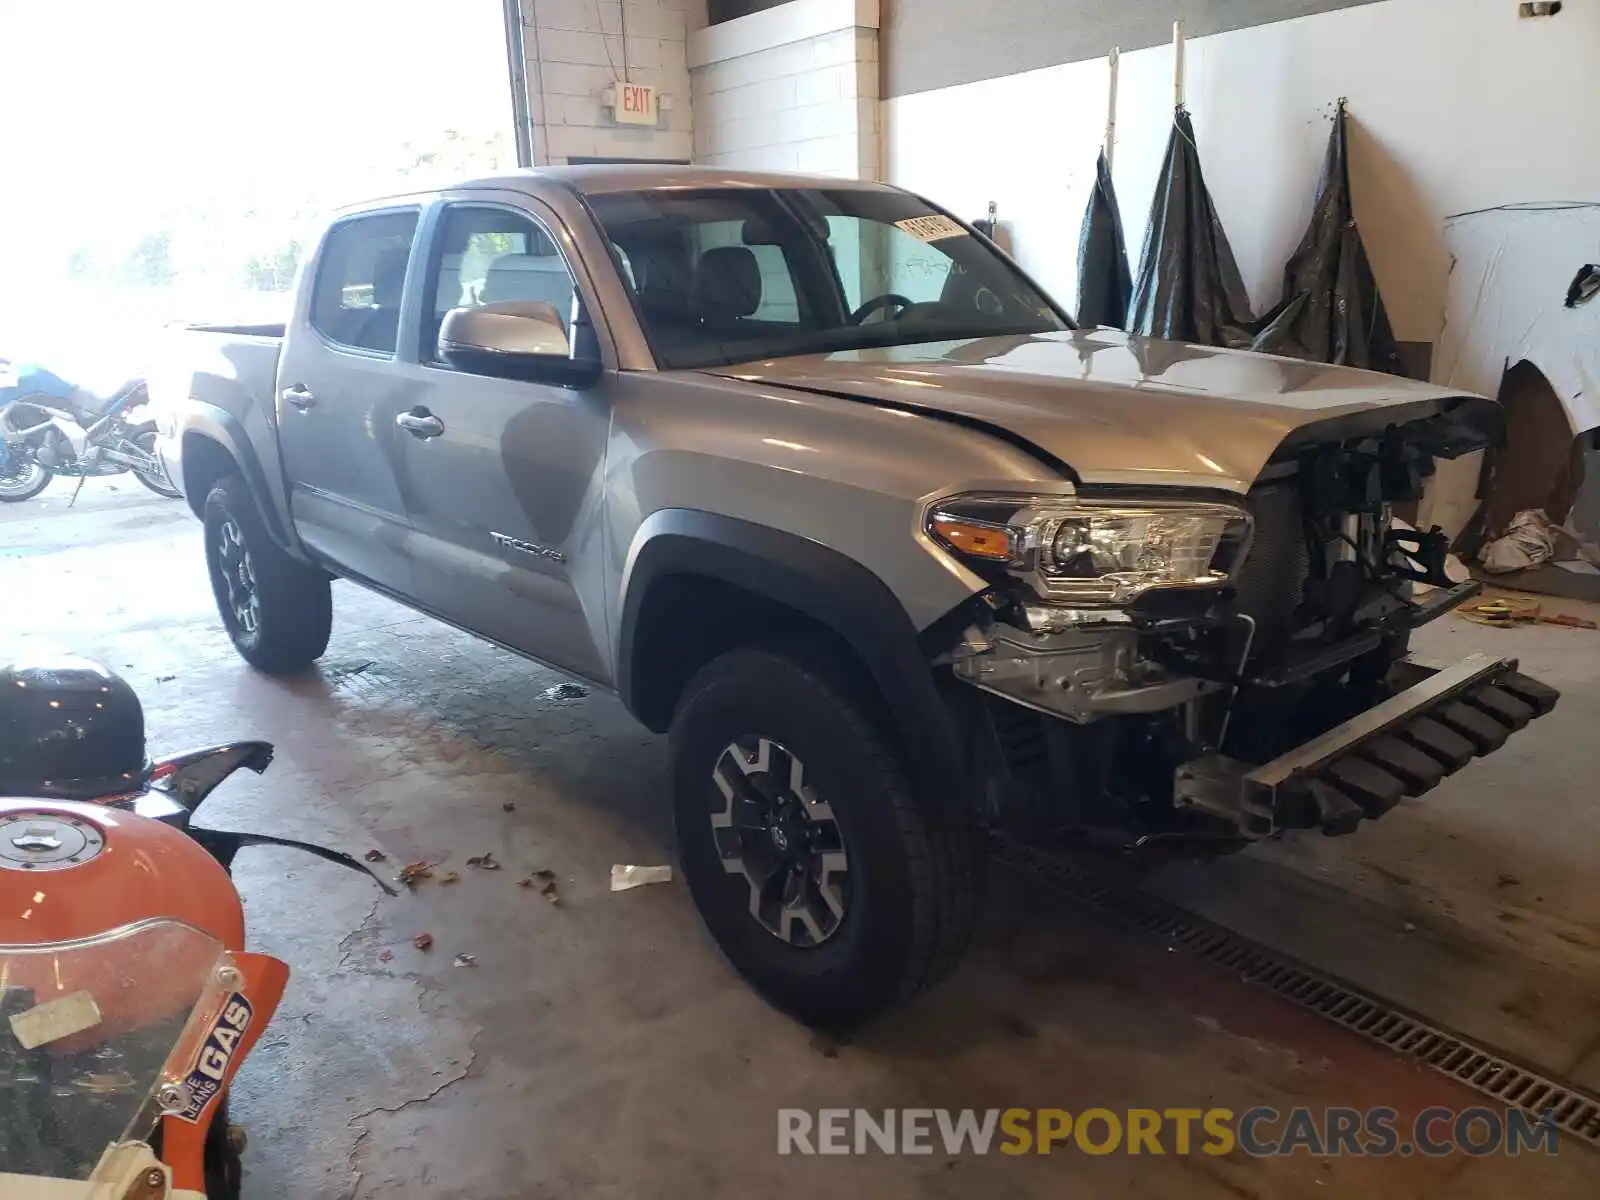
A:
[483,255]
[360,276]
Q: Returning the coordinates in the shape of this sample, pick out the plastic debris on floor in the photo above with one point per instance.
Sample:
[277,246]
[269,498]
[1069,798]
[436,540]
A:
[1520,610]
[625,877]
[1529,540]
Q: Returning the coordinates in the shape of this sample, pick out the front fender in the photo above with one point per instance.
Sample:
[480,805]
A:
[814,580]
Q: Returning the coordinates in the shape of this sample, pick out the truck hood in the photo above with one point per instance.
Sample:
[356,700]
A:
[1121,410]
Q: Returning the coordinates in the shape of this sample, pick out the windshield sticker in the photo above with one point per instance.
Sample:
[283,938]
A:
[54,1020]
[210,1071]
[932,228]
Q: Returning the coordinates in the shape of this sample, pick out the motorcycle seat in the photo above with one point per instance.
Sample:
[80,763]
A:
[95,404]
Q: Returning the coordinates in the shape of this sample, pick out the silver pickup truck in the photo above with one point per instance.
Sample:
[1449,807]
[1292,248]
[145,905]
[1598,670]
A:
[824,486]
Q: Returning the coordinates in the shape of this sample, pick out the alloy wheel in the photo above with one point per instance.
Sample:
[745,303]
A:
[20,477]
[238,577]
[783,839]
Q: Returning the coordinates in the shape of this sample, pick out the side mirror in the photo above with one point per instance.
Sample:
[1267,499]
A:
[514,339]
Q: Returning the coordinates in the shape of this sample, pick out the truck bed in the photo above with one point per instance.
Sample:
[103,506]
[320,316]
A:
[230,373]
[255,331]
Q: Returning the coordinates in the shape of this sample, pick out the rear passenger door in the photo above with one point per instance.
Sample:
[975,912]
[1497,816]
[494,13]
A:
[504,499]
[339,393]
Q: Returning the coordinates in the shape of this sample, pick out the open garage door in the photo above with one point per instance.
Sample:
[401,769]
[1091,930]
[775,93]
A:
[165,159]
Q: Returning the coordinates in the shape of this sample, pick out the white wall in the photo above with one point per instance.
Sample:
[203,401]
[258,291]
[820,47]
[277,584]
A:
[792,88]
[576,49]
[1455,105]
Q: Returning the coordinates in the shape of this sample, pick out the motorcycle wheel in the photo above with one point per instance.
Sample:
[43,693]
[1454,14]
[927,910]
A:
[21,480]
[144,437]
[224,1155]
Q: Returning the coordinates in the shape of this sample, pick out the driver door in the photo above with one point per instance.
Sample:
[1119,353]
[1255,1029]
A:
[504,500]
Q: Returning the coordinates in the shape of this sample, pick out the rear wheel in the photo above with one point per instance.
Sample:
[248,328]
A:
[20,479]
[277,610]
[825,881]
[144,437]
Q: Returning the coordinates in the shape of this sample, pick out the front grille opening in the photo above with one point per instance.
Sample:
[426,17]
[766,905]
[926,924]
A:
[1231,548]
[1270,585]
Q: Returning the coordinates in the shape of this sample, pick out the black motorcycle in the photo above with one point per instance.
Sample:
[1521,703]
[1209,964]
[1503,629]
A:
[80,435]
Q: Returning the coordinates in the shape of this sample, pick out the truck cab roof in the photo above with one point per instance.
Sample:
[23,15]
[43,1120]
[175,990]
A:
[594,179]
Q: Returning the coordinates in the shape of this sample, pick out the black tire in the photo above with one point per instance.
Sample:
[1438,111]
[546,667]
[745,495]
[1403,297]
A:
[256,583]
[21,480]
[910,885]
[223,1161]
[144,436]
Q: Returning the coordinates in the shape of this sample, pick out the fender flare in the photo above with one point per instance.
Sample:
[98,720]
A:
[817,581]
[215,424]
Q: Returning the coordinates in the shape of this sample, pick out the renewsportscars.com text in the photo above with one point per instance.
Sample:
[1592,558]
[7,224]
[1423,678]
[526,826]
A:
[1259,1132]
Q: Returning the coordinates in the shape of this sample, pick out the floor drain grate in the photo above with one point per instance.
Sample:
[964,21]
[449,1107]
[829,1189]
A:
[1573,1110]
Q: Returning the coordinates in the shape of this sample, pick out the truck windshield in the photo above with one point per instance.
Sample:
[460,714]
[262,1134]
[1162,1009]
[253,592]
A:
[731,275]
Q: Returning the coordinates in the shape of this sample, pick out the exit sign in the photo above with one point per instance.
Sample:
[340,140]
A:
[636,104]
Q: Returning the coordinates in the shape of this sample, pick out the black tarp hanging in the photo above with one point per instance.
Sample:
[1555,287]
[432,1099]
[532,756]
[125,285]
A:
[1331,309]
[1105,285]
[1188,285]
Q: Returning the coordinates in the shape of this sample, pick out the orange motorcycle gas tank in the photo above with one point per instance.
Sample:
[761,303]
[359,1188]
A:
[72,871]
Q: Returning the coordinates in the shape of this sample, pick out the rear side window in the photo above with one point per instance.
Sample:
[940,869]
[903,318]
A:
[360,277]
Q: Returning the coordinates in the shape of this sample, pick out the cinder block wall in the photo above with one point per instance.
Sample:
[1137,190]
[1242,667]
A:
[791,88]
[575,49]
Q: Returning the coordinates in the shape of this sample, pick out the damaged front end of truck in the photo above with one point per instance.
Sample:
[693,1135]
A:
[1167,665]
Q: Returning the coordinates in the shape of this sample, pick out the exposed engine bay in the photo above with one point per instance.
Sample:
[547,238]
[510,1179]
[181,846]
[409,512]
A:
[1267,701]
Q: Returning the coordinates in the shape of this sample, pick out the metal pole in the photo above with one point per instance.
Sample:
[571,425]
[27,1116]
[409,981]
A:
[517,62]
[1177,64]
[1111,107]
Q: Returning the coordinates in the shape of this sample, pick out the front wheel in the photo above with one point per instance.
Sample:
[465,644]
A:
[223,1162]
[144,437]
[20,479]
[827,883]
[278,611]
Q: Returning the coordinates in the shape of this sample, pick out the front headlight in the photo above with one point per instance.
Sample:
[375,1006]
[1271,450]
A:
[1094,552]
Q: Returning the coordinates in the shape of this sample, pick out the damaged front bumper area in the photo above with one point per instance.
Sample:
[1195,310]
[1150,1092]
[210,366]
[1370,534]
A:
[1439,720]
[1080,675]
[1421,722]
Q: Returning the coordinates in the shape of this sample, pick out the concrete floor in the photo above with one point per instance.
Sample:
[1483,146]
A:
[602,1048]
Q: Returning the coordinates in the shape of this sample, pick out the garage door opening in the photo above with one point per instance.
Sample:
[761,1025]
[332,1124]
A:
[170,159]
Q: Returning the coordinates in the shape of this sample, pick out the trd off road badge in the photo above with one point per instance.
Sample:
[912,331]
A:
[210,1070]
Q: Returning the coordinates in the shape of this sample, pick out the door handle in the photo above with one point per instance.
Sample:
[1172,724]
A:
[298,396]
[420,423]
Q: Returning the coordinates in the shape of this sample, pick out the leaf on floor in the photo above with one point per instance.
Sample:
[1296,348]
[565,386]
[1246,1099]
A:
[414,873]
